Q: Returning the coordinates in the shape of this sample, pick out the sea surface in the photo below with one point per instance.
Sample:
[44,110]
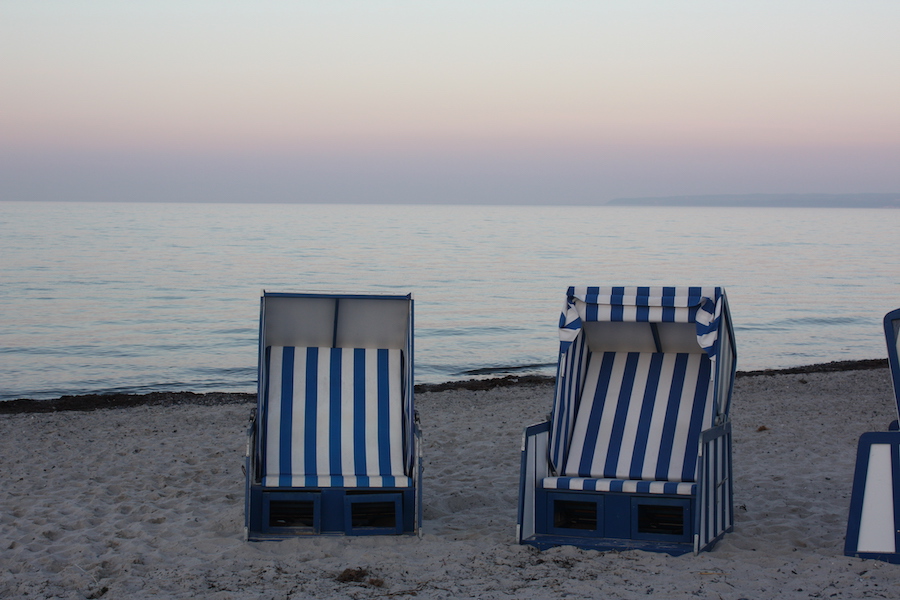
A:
[139,297]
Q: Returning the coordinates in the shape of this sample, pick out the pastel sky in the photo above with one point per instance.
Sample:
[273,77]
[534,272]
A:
[420,101]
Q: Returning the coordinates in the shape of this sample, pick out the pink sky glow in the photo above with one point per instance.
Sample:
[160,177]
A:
[648,97]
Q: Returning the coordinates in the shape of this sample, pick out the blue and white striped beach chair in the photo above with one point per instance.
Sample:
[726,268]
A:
[334,444]
[637,451]
[873,527]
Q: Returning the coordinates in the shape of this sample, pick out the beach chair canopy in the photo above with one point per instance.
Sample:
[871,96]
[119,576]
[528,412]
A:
[307,320]
[662,309]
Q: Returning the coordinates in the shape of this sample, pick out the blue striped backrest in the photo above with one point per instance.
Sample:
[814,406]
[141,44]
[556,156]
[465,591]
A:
[332,412]
[640,416]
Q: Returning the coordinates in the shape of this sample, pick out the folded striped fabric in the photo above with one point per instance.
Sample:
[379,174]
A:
[334,418]
[640,418]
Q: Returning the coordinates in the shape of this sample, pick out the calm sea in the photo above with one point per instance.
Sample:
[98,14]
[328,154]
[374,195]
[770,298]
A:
[100,297]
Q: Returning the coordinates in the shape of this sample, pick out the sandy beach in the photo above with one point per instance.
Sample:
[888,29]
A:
[147,501]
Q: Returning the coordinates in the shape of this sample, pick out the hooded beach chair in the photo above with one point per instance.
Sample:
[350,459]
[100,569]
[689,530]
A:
[334,443]
[637,450]
[873,527]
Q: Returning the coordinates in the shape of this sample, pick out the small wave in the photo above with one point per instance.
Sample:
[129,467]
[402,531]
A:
[452,332]
[842,320]
[795,323]
[507,369]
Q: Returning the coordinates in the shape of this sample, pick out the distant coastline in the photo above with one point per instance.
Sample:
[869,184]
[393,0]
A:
[769,200]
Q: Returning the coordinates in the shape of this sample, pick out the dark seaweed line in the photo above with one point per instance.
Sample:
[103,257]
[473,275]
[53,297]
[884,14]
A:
[89,402]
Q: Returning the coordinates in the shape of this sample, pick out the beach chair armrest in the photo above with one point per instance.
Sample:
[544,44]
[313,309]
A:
[417,452]
[251,433]
[712,433]
[417,471]
[535,466]
[715,512]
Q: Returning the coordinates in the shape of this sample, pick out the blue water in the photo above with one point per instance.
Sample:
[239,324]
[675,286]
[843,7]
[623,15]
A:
[99,297]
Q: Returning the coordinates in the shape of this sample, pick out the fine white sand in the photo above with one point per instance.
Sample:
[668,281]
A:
[148,502]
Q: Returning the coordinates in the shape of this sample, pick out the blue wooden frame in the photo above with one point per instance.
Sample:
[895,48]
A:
[711,510]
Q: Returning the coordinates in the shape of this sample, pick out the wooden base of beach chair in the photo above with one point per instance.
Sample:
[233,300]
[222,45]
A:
[670,522]
[614,521]
[284,513]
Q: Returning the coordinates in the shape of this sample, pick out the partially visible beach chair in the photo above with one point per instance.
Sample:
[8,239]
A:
[334,443]
[892,337]
[873,527]
[637,451]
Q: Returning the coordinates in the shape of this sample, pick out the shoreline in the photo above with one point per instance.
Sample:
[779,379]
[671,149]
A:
[101,401]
